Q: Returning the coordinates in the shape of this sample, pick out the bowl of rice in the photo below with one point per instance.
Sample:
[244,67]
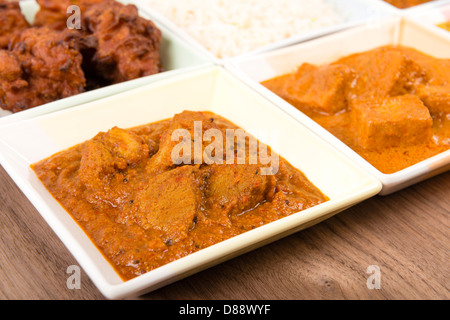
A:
[225,29]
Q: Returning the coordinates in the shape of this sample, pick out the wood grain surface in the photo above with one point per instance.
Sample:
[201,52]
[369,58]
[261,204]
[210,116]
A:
[405,234]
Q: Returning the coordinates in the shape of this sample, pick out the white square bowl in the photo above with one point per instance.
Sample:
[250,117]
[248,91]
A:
[176,55]
[390,31]
[429,19]
[209,89]
[412,10]
[354,12]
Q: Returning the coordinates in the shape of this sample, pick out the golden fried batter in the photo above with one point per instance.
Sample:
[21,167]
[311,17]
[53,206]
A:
[47,61]
[11,20]
[53,13]
[126,45]
[41,66]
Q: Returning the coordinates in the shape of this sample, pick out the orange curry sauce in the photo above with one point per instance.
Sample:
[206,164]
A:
[404,4]
[391,105]
[445,25]
[142,211]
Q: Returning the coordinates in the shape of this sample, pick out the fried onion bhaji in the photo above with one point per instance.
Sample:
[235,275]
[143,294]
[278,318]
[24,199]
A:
[126,46]
[11,20]
[53,13]
[47,61]
[41,66]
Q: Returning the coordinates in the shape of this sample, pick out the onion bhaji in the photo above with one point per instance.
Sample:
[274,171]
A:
[47,61]
[41,66]
[126,45]
[11,20]
[53,13]
[117,44]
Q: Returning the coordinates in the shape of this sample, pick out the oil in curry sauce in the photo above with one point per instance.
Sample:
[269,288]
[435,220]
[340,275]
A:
[391,105]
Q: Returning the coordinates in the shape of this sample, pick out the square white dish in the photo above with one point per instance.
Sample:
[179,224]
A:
[208,89]
[354,12]
[176,55]
[429,19]
[419,8]
[390,31]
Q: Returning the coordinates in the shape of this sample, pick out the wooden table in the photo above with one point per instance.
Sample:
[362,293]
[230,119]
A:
[405,234]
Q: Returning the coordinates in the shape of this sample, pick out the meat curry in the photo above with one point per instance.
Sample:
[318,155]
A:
[391,104]
[143,211]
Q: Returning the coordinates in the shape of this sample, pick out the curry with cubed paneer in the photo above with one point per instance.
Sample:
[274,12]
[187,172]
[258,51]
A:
[143,209]
[391,104]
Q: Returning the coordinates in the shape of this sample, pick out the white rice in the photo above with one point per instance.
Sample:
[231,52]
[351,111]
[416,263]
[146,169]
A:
[229,28]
